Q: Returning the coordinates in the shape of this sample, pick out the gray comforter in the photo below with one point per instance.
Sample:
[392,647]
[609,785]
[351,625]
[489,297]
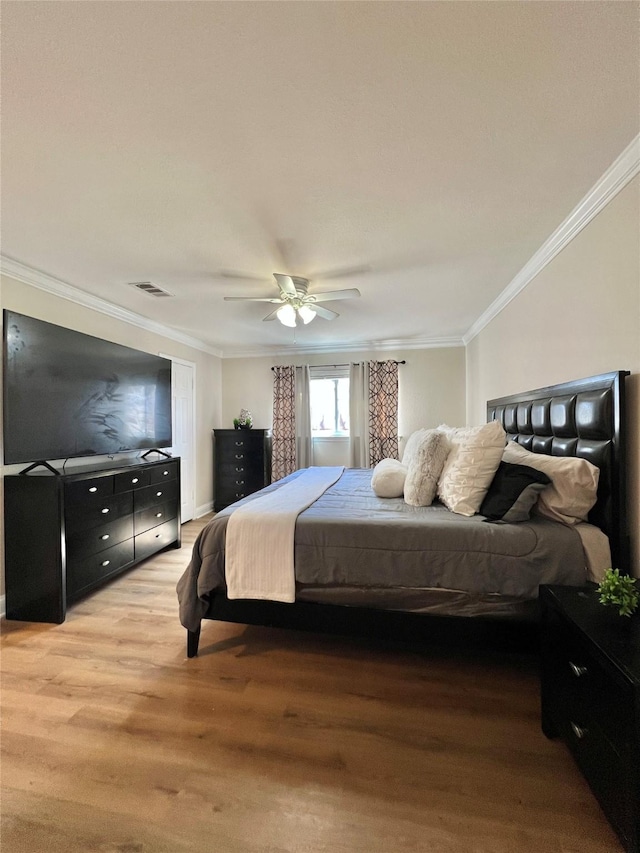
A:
[349,536]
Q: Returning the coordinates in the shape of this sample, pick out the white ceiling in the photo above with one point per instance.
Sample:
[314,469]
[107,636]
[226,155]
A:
[437,144]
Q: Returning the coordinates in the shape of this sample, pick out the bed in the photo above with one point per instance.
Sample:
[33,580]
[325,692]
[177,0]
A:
[377,566]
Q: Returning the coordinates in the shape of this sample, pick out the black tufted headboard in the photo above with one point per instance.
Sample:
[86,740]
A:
[583,418]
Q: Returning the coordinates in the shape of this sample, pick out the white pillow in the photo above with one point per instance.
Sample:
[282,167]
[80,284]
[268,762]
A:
[574,483]
[425,468]
[388,477]
[471,465]
[411,447]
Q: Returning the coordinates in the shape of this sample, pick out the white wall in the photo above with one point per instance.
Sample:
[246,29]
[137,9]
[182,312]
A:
[580,316]
[25,299]
[431,386]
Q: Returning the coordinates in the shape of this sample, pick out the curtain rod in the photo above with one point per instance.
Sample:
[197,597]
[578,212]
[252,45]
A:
[344,365]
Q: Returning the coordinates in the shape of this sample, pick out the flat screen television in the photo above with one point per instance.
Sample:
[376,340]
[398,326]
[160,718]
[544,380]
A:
[67,394]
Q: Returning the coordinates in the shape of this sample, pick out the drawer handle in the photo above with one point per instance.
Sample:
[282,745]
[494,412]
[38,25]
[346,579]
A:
[577,670]
[158,515]
[579,731]
[239,470]
[239,456]
[239,494]
[164,473]
[105,510]
[104,536]
[239,443]
[105,562]
[158,535]
[239,482]
[93,489]
[135,480]
[158,494]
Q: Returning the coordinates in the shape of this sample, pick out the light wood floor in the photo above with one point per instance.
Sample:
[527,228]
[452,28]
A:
[271,740]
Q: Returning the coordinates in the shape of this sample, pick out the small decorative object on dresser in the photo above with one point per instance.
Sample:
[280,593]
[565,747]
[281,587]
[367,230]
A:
[590,690]
[242,464]
[244,420]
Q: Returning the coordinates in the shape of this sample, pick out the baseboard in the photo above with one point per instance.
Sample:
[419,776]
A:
[203,510]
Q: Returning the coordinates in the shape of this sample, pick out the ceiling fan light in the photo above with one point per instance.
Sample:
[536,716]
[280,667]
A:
[306,314]
[287,315]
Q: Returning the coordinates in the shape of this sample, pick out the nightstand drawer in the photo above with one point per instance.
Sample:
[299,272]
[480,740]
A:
[591,693]
[606,771]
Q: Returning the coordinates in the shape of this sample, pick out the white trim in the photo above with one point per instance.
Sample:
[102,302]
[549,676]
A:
[337,346]
[617,176]
[194,415]
[3,606]
[50,284]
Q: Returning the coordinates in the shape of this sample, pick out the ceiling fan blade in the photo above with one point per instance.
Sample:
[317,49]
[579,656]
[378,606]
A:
[252,299]
[271,316]
[350,293]
[324,312]
[285,283]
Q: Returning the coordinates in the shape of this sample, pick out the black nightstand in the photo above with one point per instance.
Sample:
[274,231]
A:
[590,683]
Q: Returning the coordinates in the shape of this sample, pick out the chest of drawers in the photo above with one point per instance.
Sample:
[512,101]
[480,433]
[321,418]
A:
[67,534]
[242,464]
[590,683]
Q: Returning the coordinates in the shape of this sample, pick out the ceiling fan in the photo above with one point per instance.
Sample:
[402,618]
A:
[296,302]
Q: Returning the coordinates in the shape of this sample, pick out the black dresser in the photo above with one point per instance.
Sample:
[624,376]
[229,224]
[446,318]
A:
[591,697]
[242,464]
[67,534]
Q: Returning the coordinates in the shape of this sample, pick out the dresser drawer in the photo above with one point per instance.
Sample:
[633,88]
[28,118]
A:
[97,511]
[163,473]
[241,480]
[78,491]
[155,495]
[137,478]
[155,539]
[153,516]
[99,538]
[87,572]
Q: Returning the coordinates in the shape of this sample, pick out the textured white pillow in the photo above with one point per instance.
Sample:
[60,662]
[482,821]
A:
[574,483]
[471,465]
[388,477]
[425,468]
[411,447]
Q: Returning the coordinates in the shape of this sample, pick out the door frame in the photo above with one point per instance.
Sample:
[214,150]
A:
[192,473]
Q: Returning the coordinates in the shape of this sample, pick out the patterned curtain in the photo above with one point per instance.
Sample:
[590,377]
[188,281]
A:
[383,411]
[283,449]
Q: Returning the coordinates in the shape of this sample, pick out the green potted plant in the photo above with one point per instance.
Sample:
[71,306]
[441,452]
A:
[244,420]
[619,591]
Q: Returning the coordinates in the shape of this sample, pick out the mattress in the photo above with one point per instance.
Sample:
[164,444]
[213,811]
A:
[350,538]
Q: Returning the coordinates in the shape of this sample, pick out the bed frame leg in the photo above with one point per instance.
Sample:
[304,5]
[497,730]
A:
[193,638]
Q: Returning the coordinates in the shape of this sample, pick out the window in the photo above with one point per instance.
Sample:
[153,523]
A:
[329,392]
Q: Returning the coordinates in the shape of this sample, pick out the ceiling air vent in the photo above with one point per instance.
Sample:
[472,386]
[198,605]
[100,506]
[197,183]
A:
[150,288]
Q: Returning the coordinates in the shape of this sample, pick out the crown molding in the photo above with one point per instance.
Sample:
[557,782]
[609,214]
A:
[336,346]
[43,281]
[617,176]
